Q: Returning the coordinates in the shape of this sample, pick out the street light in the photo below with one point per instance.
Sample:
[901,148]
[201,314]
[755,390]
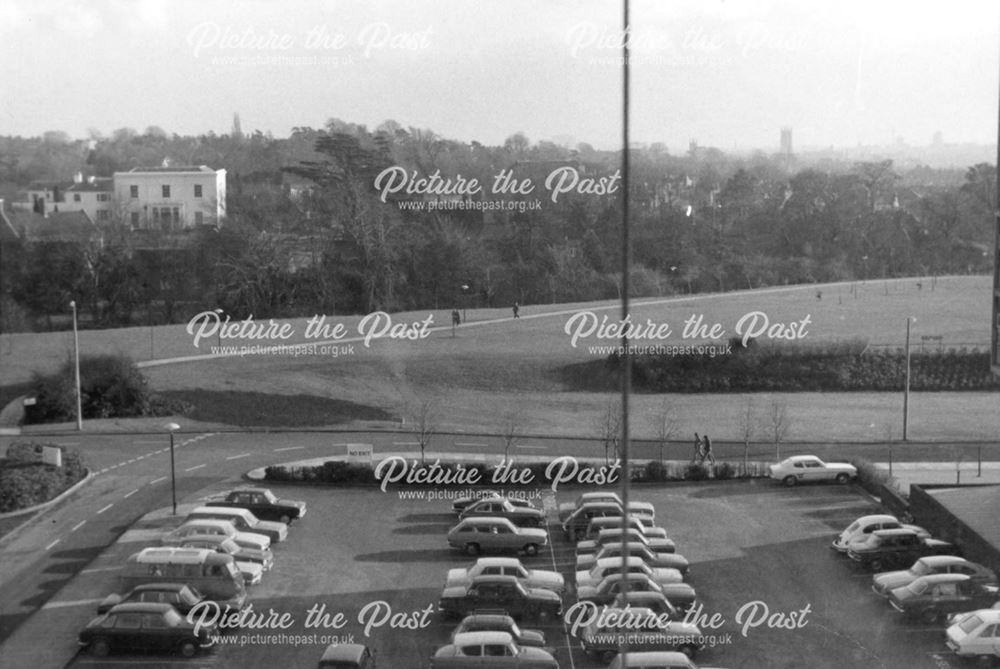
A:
[906,383]
[76,365]
[173,427]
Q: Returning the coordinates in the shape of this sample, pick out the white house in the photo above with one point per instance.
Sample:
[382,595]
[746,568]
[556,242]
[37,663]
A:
[171,198]
[92,195]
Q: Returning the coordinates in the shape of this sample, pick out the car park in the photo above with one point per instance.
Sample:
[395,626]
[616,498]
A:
[505,566]
[654,660]
[633,535]
[179,595]
[214,574]
[932,598]
[810,469]
[613,565]
[500,507]
[646,630]
[144,627]
[655,559]
[642,523]
[681,595]
[347,656]
[252,572]
[895,548]
[193,529]
[501,622]
[262,503]
[575,525]
[265,558]
[490,650]
[655,601]
[243,520]
[883,584]
[644,509]
[460,504]
[865,525]
[492,535]
[500,593]
[976,635]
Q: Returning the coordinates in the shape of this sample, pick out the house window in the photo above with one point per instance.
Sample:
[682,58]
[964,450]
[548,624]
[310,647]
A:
[197,190]
[104,197]
[135,219]
[156,215]
[199,218]
[133,191]
[76,197]
[177,215]
[166,190]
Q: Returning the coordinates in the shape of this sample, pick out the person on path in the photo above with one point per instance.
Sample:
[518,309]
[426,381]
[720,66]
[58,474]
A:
[517,308]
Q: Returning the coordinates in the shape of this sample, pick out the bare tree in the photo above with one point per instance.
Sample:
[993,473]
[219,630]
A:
[423,424]
[608,426]
[778,424]
[511,429]
[747,425]
[665,425]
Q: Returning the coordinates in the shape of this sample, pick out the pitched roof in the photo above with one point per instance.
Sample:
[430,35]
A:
[98,185]
[8,233]
[60,226]
[175,169]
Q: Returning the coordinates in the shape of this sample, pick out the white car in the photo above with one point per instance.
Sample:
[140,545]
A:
[213,527]
[810,469]
[506,566]
[976,634]
[636,565]
[865,525]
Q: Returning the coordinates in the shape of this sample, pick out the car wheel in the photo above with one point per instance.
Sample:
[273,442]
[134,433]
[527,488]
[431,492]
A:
[578,535]
[608,656]
[930,616]
[842,478]
[877,564]
[531,550]
[285,518]
[472,549]
[789,481]
[100,648]
[188,648]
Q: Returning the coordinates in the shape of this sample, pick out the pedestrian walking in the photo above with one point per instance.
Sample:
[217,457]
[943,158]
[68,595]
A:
[706,450]
[517,308]
[697,448]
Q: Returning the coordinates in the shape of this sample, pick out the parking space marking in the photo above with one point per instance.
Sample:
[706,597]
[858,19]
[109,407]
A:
[237,457]
[470,444]
[155,481]
[406,443]
[293,448]
[52,544]
[191,469]
[127,495]
[78,525]
[76,602]
[537,448]
[549,505]
[105,508]
[94,570]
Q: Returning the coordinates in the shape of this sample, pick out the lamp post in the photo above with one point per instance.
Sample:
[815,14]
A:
[76,366]
[906,382]
[173,427]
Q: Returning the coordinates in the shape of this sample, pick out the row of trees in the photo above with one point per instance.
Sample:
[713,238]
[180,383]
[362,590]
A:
[307,233]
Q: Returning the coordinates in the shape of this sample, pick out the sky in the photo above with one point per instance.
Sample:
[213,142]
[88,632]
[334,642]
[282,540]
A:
[727,73]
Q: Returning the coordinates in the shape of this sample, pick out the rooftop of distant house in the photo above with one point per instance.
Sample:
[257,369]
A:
[170,169]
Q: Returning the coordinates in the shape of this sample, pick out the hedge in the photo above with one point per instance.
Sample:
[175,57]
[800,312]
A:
[25,483]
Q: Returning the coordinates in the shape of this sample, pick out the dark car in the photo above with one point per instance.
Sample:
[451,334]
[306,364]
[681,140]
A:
[347,656]
[885,583]
[500,622]
[575,525]
[182,597]
[263,503]
[144,627]
[501,507]
[501,593]
[887,549]
[933,598]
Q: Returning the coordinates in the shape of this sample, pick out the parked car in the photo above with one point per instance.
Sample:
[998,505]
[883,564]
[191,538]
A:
[146,627]
[642,523]
[654,660]
[646,630]
[932,598]
[810,469]
[262,503]
[500,622]
[635,507]
[460,504]
[495,650]
[865,525]
[896,548]
[214,527]
[613,565]
[885,583]
[634,535]
[681,595]
[179,595]
[976,635]
[651,557]
[243,520]
[501,507]
[505,566]
[265,558]
[655,601]
[347,656]
[575,525]
[491,535]
[252,572]
[501,593]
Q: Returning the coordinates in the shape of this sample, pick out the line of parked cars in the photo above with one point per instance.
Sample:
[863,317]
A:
[219,550]
[931,583]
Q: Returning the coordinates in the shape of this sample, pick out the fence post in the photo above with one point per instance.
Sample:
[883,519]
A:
[979,458]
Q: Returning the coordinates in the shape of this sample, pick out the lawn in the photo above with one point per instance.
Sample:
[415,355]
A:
[496,367]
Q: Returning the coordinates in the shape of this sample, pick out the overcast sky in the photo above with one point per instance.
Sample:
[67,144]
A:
[728,73]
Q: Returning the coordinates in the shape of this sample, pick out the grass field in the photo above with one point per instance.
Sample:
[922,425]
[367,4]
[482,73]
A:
[495,365]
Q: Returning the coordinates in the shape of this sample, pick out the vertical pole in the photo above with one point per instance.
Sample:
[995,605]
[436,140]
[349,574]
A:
[979,458]
[173,475]
[626,266]
[76,366]
[906,387]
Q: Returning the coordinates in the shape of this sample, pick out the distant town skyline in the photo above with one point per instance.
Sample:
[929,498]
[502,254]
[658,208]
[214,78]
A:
[727,73]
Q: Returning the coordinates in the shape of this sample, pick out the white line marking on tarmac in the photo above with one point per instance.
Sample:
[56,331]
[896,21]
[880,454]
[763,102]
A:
[537,448]
[241,455]
[292,448]
[131,493]
[406,443]
[94,570]
[162,478]
[191,469]
[105,508]
[78,602]
[78,525]
[471,444]
[52,544]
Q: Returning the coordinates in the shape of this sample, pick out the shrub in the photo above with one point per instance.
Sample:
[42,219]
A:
[696,471]
[111,386]
[725,471]
[870,476]
[24,482]
[656,471]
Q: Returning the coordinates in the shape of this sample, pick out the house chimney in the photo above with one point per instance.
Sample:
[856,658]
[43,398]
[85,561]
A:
[78,178]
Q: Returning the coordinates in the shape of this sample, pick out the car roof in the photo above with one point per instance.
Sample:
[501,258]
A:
[657,658]
[221,510]
[940,560]
[616,561]
[875,518]
[895,532]
[144,587]
[499,562]
[348,652]
[141,607]
[173,554]
[210,522]
[487,619]
[472,638]
[488,520]
[493,578]
[933,579]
